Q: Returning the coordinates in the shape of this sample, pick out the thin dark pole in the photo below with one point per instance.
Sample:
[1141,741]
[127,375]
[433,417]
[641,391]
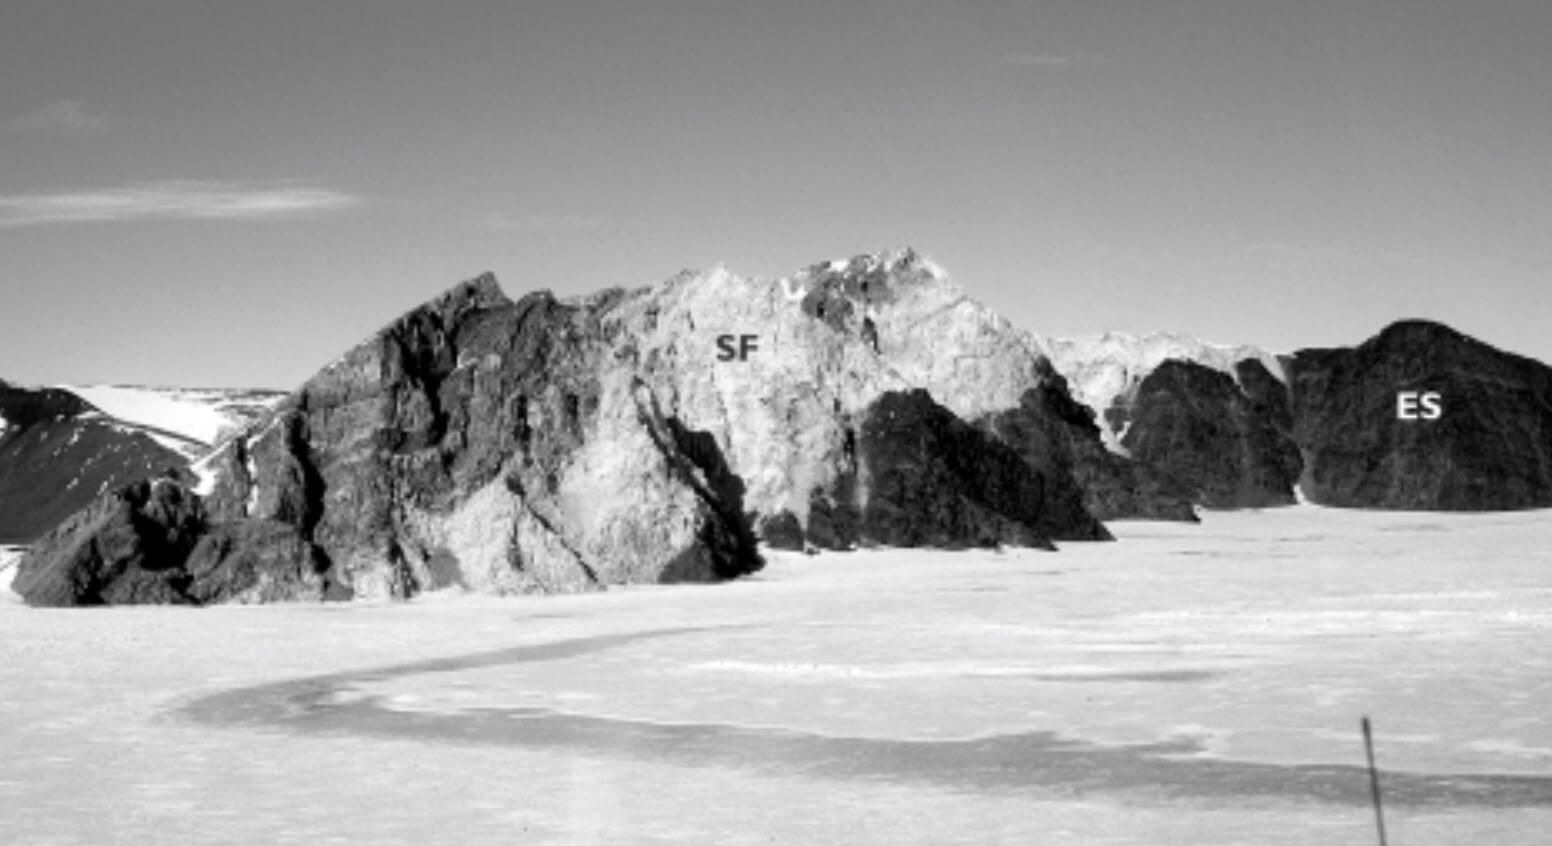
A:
[1374,779]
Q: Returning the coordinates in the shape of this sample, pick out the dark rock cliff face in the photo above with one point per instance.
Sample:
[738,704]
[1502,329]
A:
[931,479]
[922,477]
[1490,448]
[1197,427]
[126,548]
[58,454]
[1337,431]
[1051,429]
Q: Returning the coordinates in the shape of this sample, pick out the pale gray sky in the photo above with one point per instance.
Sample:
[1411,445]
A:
[231,193]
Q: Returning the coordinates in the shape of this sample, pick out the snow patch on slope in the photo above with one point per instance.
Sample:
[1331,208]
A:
[205,471]
[253,483]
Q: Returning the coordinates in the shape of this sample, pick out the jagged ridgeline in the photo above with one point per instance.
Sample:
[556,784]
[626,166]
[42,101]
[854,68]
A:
[664,434]
[653,435]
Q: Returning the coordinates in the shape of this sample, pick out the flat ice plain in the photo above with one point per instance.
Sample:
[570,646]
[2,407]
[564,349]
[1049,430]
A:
[1185,685]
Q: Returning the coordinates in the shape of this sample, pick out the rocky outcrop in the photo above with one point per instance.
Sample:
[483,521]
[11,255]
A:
[928,478]
[151,542]
[916,475]
[1489,448]
[488,444]
[1329,422]
[1117,378]
[1106,371]
[830,343]
[125,548]
[1198,427]
[1050,428]
[653,435]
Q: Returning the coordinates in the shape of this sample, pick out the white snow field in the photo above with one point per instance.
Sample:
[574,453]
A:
[200,415]
[1185,685]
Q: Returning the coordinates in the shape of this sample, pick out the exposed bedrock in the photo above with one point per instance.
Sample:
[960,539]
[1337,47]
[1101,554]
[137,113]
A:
[927,478]
[661,434]
[58,453]
[1488,447]
[475,442]
[1049,428]
[126,547]
[1197,427]
[652,435]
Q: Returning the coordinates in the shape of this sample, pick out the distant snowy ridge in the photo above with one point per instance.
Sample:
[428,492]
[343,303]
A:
[1101,369]
[202,416]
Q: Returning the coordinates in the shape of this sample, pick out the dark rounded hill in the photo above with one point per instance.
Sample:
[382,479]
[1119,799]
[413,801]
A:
[1369,440]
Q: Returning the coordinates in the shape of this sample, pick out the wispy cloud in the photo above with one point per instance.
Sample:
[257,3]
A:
[175,200]
[539,222]
[63,116]
[1052,60]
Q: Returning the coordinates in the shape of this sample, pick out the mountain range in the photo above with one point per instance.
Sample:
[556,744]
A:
[669,433]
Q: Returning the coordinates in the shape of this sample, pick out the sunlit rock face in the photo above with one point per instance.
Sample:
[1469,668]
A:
[652,435]
[831,341]
[492,445]
[1107,371]
[1488,446]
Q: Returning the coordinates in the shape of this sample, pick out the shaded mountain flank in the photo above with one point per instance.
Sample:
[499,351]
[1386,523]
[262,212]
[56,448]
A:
[1050,427]
[1199,427]
[1489,448]
[652,435]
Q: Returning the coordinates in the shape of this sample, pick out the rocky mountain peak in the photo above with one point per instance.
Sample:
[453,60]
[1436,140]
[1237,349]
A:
[479,292]
[644,435]
[903,262]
